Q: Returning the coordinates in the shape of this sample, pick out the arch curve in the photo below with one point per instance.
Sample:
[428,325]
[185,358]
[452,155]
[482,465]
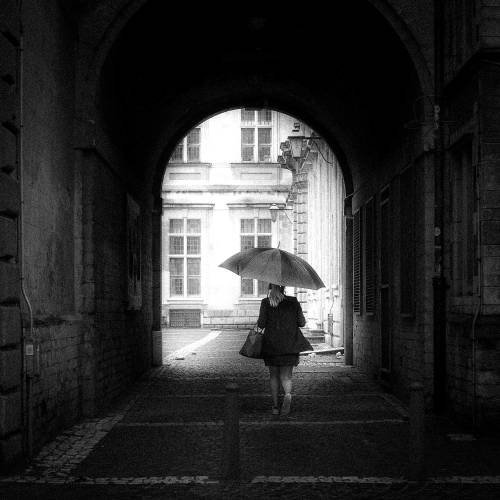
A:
[298,98]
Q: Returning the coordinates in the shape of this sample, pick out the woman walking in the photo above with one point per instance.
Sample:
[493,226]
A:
[281,317]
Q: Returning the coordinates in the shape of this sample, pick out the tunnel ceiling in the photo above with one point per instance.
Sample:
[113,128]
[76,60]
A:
[348,57]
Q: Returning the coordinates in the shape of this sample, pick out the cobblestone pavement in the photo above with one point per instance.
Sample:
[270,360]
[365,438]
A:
[164,439]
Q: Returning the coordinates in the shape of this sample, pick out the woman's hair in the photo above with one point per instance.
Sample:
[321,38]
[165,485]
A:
[276,294]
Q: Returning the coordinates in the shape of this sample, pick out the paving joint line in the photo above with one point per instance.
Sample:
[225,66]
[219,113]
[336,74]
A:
[250,423]
[207,481]
[58,459]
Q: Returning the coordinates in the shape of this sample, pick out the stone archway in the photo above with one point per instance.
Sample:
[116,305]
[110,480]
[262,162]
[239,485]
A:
[134,110]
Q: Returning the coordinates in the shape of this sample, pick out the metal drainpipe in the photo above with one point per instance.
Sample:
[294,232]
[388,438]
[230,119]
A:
[26,340]
[479,250]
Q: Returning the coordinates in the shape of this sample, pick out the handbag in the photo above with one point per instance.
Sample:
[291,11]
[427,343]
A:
[252,348]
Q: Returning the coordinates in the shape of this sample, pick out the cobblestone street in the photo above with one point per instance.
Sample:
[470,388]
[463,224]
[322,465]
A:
[344,437]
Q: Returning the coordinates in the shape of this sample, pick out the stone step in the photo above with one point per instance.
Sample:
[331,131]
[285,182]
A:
[314,336]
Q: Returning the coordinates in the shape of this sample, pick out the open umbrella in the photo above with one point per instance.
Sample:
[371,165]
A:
[274,266]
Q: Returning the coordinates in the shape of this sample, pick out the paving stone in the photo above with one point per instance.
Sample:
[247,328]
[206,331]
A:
[343,429]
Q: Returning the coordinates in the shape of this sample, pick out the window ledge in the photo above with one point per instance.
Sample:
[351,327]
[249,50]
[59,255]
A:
[194,300]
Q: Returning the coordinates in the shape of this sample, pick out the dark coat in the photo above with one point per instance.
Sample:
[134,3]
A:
[282,334]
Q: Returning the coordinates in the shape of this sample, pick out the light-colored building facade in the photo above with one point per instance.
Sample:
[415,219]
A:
[219,185]
[317,197]
[218,188]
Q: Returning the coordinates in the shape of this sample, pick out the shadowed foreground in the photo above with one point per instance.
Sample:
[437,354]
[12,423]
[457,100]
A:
[344,437]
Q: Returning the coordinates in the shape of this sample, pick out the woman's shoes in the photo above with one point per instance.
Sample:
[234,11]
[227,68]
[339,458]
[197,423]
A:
[276,410]
[285,407]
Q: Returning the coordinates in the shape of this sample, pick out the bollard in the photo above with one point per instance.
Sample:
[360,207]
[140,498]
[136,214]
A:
[416,444]
[231,452]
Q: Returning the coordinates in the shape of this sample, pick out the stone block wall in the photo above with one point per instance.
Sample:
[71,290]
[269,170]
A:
[53,400]
[489,178]
[473,371]
[487,328]
[242,317]
[411,349]
[87,346]
[10,291]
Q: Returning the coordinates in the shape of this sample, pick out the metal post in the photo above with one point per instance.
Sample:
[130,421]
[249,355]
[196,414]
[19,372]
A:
[416,445]
[231,452]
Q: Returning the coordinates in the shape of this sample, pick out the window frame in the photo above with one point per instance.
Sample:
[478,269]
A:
[184,257]
[191,145]
[255,234]
[184,147]
[257,123]
[462,213]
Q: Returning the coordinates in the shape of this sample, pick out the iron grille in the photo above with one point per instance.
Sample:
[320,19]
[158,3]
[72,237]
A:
[185,318]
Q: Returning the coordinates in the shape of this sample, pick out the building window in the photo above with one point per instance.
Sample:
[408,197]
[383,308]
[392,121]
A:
[193,145]
[247,144]
[256,135]
[385,237]
[178,154]
[264,144]
[254,233]
[265,116]
[188,148]
[407,241]
[248,115]
[185,257]
[462,217]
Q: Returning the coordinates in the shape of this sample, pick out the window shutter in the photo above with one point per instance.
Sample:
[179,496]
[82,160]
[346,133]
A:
[356,246]
[385,237]
[370,263]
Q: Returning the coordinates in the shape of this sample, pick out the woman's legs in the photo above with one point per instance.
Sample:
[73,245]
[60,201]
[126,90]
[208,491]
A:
[286,382]
[274,378]
[286,378]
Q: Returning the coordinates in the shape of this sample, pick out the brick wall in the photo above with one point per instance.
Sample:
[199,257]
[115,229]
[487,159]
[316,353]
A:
[56,392]
[121,336]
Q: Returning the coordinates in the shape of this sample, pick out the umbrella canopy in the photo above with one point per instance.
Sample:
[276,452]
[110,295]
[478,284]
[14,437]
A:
[274,266]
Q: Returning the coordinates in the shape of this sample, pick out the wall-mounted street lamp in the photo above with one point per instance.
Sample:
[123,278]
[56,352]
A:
[295,150]
[273,209]
[298,144]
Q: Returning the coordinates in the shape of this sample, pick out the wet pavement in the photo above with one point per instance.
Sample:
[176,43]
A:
[344,437]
